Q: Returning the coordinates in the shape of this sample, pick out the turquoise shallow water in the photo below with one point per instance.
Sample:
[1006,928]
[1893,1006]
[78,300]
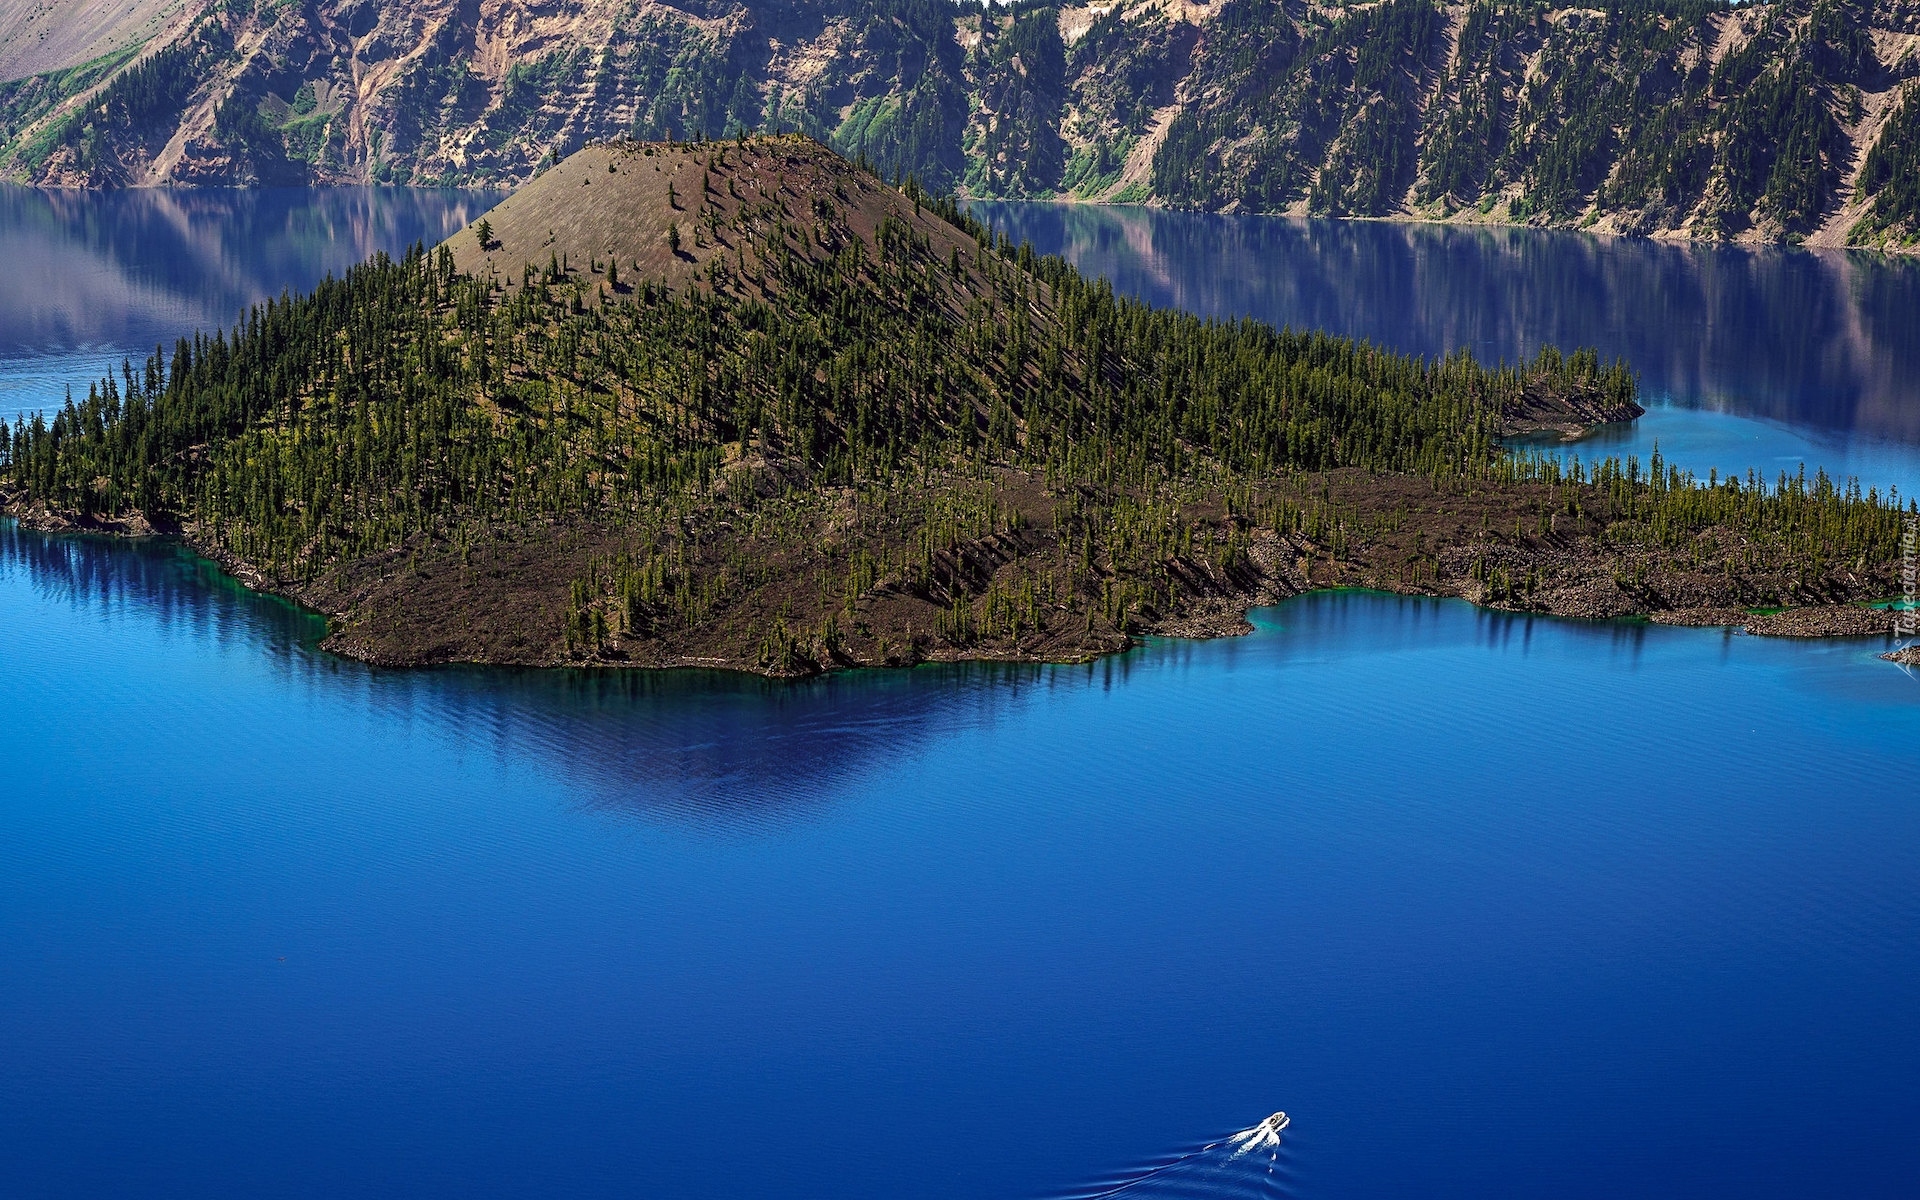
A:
[1704,441]
[1492,906]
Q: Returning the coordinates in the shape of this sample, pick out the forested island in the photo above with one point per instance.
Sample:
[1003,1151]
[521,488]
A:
[742,404]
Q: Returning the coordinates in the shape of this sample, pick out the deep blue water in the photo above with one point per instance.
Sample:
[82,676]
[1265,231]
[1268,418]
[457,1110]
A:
[1493,906]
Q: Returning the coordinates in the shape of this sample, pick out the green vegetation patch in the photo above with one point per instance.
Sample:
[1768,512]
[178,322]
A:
[25,101]
[138,105]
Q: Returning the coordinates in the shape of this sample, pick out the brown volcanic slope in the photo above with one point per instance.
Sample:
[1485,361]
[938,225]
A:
[611,202]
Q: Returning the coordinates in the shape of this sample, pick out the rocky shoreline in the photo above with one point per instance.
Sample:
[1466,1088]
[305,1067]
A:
[427,605]
[1824,621]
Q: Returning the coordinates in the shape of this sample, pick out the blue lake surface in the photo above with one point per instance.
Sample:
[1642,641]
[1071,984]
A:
[1493,906]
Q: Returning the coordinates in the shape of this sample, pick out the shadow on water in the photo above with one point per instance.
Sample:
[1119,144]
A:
[735,752]
[175,588]
[1360,621]
[1829,340]
[723,750]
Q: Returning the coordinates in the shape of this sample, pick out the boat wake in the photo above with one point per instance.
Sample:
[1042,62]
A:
[1248,1165]
[1265,1134]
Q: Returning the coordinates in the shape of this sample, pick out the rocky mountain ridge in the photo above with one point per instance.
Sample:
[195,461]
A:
[1792,121]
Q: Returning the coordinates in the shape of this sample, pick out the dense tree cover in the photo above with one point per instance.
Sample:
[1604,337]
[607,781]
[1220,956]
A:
[1779,142]
[25,101]
[246,132]
[1019,73]
[1558,113]
[904,78]
[1791,523]
[1629,114]
[1466,134]
[1601,82]
[1123,70]
[1353,113]
[679,81]
[1702,115]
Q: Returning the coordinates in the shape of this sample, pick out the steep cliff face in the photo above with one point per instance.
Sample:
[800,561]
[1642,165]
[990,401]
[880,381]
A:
[1797,120]
[457,91]
[1686,118]
[429,92]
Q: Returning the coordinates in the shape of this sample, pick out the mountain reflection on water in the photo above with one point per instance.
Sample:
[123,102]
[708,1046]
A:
[1827,343]
[94,276]
[1825,339]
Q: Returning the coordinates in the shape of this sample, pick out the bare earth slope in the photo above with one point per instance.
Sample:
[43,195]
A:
[615,201]
[46,35]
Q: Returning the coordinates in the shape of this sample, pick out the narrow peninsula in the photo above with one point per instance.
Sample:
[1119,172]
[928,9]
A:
[741,404]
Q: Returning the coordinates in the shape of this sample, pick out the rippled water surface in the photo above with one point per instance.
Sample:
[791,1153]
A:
[1490,906]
